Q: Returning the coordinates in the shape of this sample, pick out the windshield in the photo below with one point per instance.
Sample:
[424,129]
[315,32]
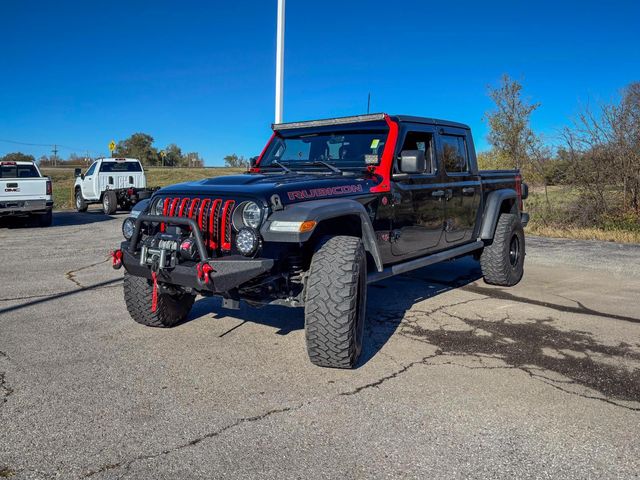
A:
[342,149]
[18,171]
[120,167]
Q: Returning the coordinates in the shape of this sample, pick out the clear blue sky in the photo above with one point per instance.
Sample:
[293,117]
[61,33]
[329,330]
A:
[201,74]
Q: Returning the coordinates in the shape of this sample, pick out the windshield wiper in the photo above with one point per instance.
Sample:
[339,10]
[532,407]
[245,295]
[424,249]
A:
[278,164]
[328,165]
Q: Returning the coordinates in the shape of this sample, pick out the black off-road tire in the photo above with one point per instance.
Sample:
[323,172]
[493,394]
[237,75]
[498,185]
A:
[335,303]
[171,309]
[109,202]
[81,203]
[502,261]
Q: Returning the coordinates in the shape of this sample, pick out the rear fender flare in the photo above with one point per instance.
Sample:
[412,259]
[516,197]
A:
[492,211]
[319,210]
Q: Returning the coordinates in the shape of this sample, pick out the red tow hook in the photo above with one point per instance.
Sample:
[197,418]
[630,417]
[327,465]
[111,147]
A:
[116,259]
[204,270]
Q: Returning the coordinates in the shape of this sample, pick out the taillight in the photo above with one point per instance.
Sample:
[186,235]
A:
[519,190]
[49,188]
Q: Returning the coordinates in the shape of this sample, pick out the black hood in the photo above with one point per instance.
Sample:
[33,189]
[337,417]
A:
[290,187]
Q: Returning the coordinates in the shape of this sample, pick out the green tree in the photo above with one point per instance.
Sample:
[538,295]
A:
[172,156]
[235,161]
[18,157]
[510,132]
[140,146]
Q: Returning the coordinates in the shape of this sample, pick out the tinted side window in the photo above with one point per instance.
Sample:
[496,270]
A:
[454,154]
[92,168]
[421,141]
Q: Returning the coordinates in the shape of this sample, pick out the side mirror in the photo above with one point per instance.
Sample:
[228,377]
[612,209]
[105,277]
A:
[412,161]
[77,172]
[253,161]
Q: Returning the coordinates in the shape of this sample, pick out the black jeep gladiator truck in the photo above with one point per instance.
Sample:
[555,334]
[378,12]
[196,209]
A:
[328,207]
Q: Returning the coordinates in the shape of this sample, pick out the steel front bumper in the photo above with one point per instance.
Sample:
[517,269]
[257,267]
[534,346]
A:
[228,272]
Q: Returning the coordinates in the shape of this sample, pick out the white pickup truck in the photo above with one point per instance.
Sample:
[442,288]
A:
[117,183]
[24,192]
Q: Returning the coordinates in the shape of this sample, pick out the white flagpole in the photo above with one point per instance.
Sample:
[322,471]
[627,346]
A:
[280,62]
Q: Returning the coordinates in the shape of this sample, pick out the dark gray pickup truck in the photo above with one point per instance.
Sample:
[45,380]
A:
[328,207]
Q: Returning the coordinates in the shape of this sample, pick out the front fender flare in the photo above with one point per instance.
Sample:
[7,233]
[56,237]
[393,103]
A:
[319,210]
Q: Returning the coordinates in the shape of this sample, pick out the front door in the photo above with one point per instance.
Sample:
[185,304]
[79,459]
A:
[463,188]
[417,204]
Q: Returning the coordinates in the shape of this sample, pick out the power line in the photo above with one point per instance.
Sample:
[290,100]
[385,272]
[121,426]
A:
[54,146]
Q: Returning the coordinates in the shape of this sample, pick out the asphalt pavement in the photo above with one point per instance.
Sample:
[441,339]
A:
[458,379]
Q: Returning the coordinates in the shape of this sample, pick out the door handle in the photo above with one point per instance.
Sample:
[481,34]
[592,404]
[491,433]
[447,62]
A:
[468,191]
[438,193]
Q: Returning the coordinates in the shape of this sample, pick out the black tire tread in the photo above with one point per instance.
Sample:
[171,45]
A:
[83,204]
[494,260]
[171,309]
[331,304]
[113,202]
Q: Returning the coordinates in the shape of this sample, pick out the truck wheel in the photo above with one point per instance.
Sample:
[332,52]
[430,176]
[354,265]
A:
[335,304]
[170,309]
[109,202]
[502,261]
[81,204]
[45,220]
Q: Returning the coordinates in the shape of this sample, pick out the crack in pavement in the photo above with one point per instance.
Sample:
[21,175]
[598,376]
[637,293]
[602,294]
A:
[127,463]
[71,274]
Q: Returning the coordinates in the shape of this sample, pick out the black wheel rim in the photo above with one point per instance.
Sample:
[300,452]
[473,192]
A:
[514,250]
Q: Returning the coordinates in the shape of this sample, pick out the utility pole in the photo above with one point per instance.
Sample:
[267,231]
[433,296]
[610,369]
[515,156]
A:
[55,155]
[280,62]
[368,102]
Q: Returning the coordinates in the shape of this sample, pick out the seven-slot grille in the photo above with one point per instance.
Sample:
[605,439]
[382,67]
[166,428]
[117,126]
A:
[213,217]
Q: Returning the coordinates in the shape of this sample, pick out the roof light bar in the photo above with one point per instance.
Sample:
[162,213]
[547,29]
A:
[329,121]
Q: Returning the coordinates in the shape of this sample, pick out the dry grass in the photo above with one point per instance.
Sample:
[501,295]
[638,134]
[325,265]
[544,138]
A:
[579,233]
[63,180]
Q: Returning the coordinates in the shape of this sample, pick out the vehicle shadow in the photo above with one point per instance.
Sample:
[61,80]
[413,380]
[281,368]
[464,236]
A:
[60,219]
[380,326]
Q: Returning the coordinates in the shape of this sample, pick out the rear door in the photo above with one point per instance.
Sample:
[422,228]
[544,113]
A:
[463,186]
[417,205]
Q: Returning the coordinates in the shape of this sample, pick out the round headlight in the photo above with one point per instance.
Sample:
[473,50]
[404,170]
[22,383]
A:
[158,208]
[128,226]
[247,241]
[251,215]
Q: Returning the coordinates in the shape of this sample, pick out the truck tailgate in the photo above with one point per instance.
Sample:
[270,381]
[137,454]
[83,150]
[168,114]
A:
[20,188]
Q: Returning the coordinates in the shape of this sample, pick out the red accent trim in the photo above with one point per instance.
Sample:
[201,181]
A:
[183,204]
[386,163]
[212,240]
[154,295]
[223,233]
[192,207]
[256,168]
[116,259]
[202,207]
[174,204]
[165,209]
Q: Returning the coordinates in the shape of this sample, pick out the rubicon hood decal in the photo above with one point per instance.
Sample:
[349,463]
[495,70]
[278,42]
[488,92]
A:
[323,192]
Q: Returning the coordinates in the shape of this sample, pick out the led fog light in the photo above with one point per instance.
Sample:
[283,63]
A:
[247,241]
[128,226]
